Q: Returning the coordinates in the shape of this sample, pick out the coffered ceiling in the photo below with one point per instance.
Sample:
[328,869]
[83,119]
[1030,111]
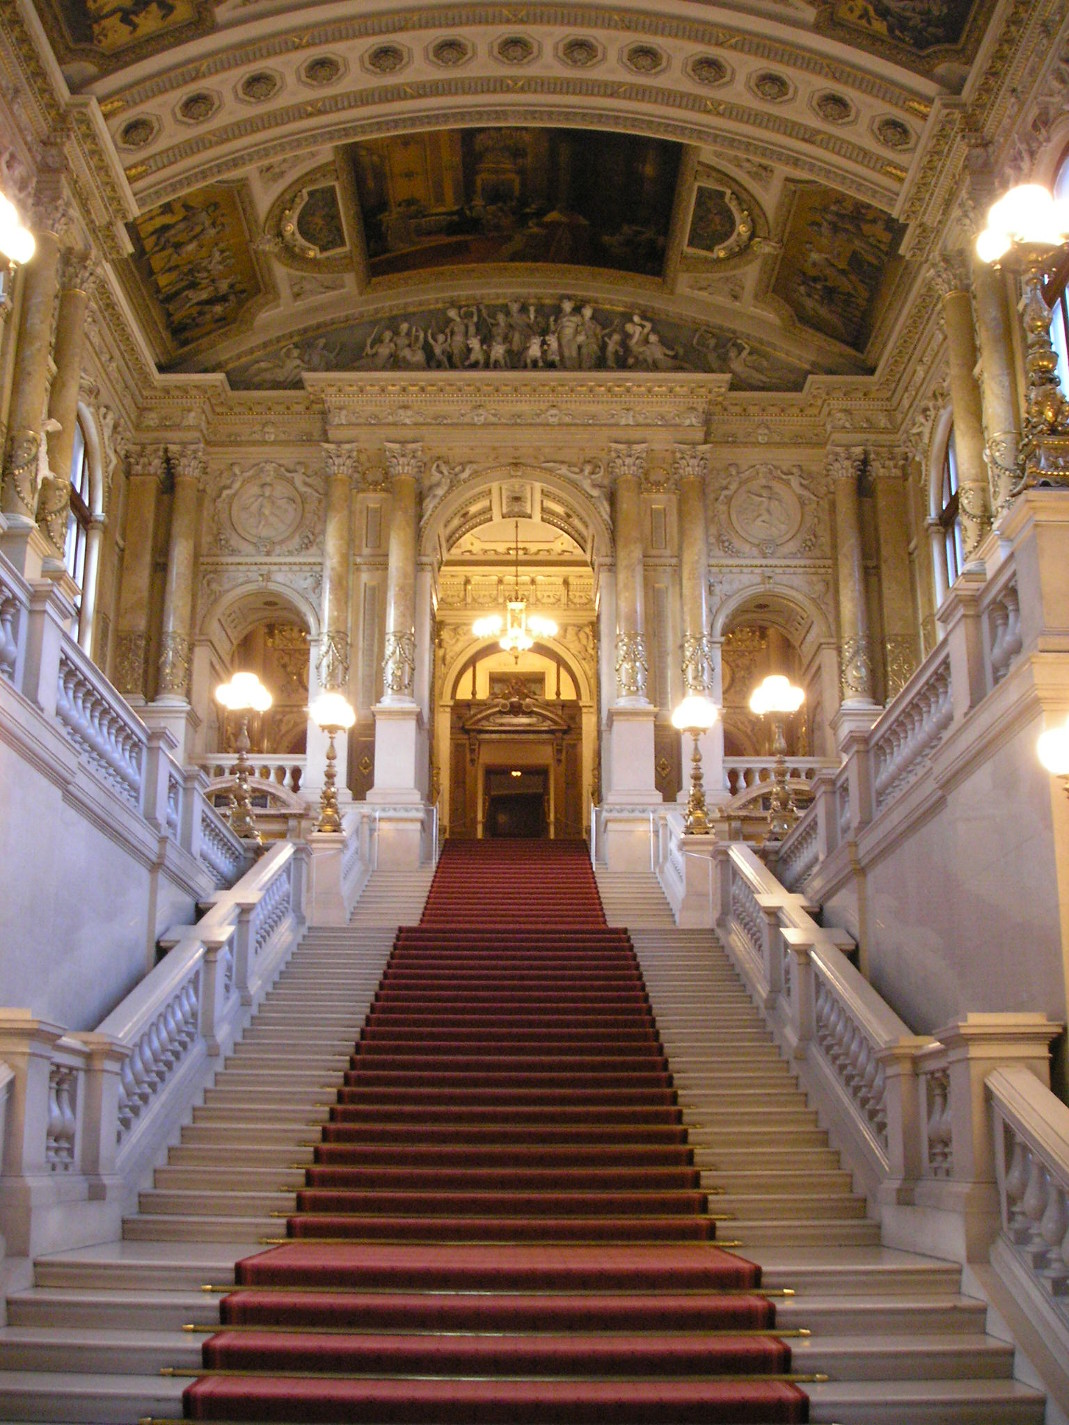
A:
[676,186]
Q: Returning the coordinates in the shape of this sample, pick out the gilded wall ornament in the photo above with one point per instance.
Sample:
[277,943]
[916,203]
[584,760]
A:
[19,491]
[697,663]
[900,659]
[632,665]
[720,225]
[176,661]
[332,665]
[128,670]
[855,669]
[399,663]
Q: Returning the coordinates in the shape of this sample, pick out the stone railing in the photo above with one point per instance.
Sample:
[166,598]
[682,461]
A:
[1031,1252]
[287,772]
[905,737]
[750,775]
[58,682]
[89,1112]
[1000,610]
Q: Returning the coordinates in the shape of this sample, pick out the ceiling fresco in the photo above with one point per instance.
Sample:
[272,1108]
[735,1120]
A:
[564,196]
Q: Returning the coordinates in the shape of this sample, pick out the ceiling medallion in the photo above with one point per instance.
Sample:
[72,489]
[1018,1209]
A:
[834,108]
[580,52]
[451,52]
[385,59]
[644,59]
[259,86]
[323,69]
[707,69]
[136,133]
[195,108]
[894,133]
[515,49]
[771,86]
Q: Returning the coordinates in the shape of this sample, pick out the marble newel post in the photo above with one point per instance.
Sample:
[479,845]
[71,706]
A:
[974,506]
[400,752]
[628,759]
[54,498]
[857,709]
[331,660]
[172,707]
[690,465]
[24,544]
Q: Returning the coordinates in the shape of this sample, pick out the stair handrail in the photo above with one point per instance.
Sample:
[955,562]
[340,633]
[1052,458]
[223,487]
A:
[91,1110]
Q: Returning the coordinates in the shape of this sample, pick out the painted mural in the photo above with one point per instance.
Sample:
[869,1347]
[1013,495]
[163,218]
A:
[195,263]
[120,30]
[838,261]
[565,335]
[916,24]
[477,195]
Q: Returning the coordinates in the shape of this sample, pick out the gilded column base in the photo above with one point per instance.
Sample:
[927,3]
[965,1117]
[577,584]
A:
[175,666]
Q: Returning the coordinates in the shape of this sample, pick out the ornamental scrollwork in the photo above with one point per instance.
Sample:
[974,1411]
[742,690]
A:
[332,665]
[698,655]
[176,661]
[399,664]
[632,667]
[855,677]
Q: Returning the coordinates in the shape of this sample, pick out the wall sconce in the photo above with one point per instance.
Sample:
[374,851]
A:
[776,697]
[244,694]
[1052,749]
[331,713]
[17,243]
[696,714]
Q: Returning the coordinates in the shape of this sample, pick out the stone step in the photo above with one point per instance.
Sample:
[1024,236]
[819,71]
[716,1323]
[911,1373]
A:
[924,1402]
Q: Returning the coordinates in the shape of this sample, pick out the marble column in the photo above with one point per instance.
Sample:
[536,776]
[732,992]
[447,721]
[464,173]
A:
[53,501]
[627,464]
[331,659]
[400,729]
[147,473]
[974,506]
[889,471]
[24,454]
[187,469]
[628,761]
[998,382]
[690,466]
[845,465]
[91,579]
[332,665]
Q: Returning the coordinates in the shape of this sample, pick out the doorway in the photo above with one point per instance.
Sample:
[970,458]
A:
[516,802]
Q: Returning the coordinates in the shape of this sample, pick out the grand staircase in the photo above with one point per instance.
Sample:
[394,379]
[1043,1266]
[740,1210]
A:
[891,1330]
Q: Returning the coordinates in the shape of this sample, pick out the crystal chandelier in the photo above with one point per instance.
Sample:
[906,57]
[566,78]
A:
[516,632]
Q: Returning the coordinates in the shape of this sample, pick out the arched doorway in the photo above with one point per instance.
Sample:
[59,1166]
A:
[515,734]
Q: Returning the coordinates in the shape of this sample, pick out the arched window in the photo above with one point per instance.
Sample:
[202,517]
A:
[944,523]
[78,520]
[948,515]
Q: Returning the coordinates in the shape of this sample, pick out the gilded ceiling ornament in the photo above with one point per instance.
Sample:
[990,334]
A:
[195,108]
[323,69]
[136,133]
[720,225]
[259,86]
[515,49]
[451,52]
[771,86]
[834,108]
[644,59]
[385,59]
[894,133]
[707,69]
[580,51]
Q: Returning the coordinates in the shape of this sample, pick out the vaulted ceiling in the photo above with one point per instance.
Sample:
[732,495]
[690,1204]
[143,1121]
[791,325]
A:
[662,186]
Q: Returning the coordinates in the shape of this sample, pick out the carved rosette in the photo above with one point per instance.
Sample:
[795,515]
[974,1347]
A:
[697,664]
[20,474]
[176,656]
[632,667]
[855,661]
[128,673]
[332,665]
[399,664]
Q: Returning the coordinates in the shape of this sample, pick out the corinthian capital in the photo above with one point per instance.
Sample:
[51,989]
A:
[949,273]
[845,462]
[148,461]
[627,458]
[343,461]
[404,457]
[76,270]
[187,461]
[887,464]
[690,462]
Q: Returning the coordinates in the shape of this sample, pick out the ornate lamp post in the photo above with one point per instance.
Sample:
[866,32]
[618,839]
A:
[331,713]
[1052,749]
[696,714]
[1026,231]
[776,697]
[243,694]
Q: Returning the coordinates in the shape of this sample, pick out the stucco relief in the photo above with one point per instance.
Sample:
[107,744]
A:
[267,508]
[217,580]
[769,510]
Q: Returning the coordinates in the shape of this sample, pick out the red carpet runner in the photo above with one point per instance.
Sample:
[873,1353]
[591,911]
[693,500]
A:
[503,1225]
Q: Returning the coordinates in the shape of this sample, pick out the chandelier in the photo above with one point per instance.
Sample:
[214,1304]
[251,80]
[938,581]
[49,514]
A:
[516,632]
